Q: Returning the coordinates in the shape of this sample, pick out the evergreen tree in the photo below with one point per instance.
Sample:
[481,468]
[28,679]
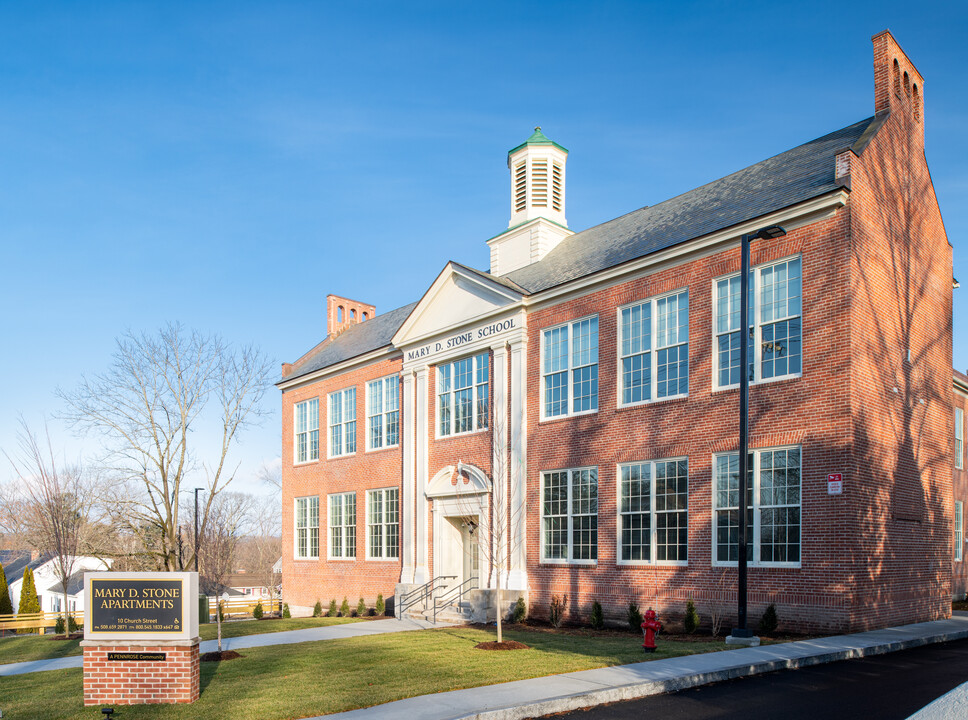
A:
[6,608]
[28,596]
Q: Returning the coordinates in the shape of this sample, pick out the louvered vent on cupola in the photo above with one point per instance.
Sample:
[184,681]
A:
[539,182]
[520,187]
[557,187]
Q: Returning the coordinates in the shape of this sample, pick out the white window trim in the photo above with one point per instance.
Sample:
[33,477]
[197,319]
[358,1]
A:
[652,513]
[753,533]
[329,528]
[566,561]
[959,439]
[356,421]
[757,328]
[295,529]
[366,532]
[571,395]
[295,434]
[959,538]
[653,352]
[486,354]
[382,381]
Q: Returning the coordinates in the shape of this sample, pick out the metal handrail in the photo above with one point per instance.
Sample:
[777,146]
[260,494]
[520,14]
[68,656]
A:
[421,594]
[448,597]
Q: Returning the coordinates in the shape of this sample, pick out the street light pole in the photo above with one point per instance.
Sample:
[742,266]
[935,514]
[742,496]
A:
[196,527]
[768,233]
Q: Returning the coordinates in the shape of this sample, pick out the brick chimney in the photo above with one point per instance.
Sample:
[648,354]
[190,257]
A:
[343,312]
[898,86]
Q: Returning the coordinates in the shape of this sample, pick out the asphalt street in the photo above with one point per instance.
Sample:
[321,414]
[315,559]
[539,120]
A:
[886,687]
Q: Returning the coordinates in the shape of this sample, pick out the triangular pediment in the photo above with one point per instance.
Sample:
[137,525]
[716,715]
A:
[458,297]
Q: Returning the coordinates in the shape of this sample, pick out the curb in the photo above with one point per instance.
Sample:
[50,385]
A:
[634,691]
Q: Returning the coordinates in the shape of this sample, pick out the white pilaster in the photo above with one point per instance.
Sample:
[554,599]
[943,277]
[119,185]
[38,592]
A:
[408,502]
[421,475]
[499,480]
[518,578]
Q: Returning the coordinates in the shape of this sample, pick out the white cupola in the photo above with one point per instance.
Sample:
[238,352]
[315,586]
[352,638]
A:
[538,224]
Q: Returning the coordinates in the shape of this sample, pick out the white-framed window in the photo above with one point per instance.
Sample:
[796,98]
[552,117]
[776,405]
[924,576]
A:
[569,516]
[775,324]
[342,422]
[773,501]
[383,413]
[307,527]
[342,525]
[383,524]
[654,349]
[569,368]
[462,395]
[654,511]
[959,530]
[959,438]
[307,430]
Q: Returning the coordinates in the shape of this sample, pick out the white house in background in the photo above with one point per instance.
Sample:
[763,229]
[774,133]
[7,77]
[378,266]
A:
[50,589]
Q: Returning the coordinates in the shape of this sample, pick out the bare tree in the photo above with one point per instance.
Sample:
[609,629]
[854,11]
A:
[149,408]
[229,518]
[266,542]
[270,473]
[50,506]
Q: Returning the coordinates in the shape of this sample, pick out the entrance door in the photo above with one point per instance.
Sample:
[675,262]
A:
[472,551]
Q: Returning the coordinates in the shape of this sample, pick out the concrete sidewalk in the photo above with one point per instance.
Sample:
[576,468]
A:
[559,693]
[289,637]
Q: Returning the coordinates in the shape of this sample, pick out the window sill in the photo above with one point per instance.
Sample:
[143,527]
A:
[305,559]
[341,559]
[340,457]
[385,560]
[656,564]
[560,418]
[648,403]
[768,566]
[577,563]
[758,383]
[466,433]
[379,449]
[305,462]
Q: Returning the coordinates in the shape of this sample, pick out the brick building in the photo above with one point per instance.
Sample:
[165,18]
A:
[566,423]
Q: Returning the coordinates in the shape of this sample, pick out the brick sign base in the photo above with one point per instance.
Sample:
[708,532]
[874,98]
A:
[140,682]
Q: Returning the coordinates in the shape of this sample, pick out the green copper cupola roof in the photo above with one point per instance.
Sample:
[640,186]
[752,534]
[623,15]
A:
[538,138]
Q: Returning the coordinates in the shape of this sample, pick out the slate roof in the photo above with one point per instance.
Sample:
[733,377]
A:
[75,584]
[792,177]
[14,567]
[795,176]
[356,340]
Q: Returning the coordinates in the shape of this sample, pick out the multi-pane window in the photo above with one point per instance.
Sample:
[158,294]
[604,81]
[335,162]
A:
[959,530]
[383,413]
[462,395]
[342,422]
[775,332]
[342,525]
[663,370]
[569,513]
[383,523]
[307,527]
[773,506]
[653,510]
[959,438]
[569,368]
[307,430]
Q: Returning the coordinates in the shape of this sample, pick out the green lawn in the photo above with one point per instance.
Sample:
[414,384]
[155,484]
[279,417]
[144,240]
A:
[22,648]
[296,681]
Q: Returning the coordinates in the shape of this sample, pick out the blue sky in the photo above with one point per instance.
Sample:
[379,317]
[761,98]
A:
[227,165]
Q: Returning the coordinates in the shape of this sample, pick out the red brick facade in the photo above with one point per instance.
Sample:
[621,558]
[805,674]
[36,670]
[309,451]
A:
[112,682]
[872,402]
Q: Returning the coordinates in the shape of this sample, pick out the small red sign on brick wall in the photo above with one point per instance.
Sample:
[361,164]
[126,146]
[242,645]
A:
[835,483]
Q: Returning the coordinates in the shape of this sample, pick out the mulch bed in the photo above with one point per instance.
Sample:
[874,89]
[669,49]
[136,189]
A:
[72,636]
[219,656]
[506,645]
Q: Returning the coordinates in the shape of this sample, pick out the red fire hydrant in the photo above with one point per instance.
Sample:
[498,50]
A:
[650,628]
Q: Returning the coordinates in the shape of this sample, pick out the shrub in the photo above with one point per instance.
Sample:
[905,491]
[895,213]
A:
[333,610]
[769,621]
[28,599]
[221,611]
[59,625]
[285,610]
[557,613]
[72,624]
[635,617]
[344,609]
[520,612]
[360,608]
[317,609]
[691,621]
[257,611]
[6,608]
[380,605]
[598,618]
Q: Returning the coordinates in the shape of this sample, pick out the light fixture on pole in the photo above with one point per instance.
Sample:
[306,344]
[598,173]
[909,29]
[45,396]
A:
[741,631]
